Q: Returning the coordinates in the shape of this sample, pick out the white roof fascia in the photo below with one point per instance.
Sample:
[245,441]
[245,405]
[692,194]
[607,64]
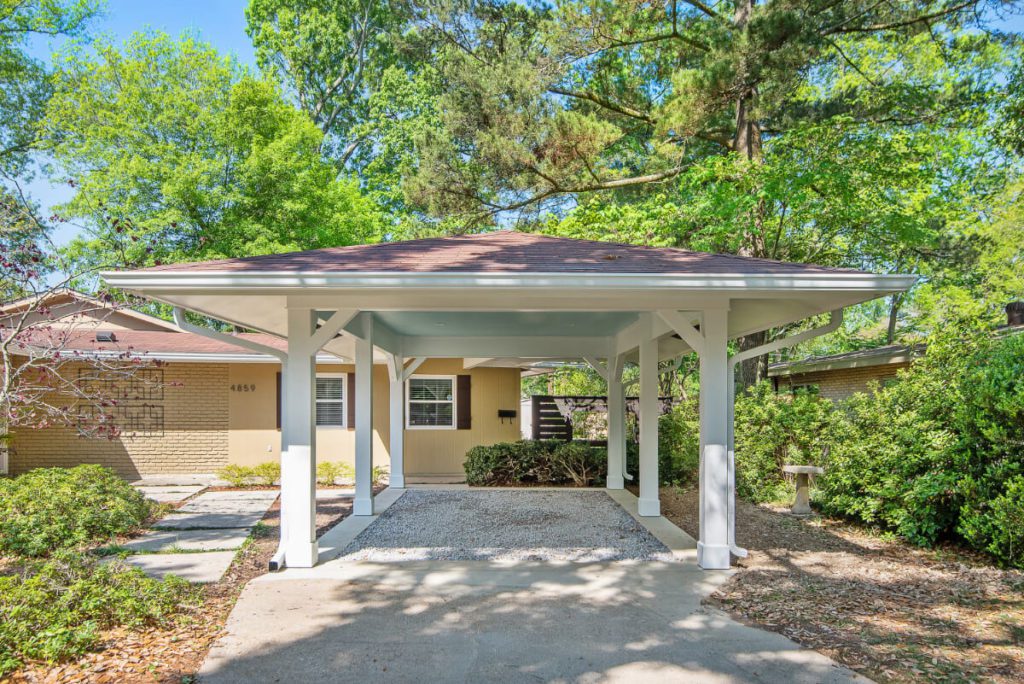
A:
[722,282]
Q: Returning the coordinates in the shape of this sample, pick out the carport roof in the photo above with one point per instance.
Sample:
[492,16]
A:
[506,294]
[502,251]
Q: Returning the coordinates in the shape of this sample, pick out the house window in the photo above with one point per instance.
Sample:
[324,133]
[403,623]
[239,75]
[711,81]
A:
[430,401]
[807,388]
[330,400]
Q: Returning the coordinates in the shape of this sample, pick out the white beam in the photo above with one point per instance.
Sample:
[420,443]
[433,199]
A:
[713,546]
[363,504]
[411,368]
[600,368]
[396,402]
[298,444]
[504,346]
[650,411]
[470,363]
[616,420]
[332,326]
[682,326]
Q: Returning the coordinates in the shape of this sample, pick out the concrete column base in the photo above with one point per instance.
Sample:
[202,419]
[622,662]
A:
[712,557]
[362,507]
[615,482]
[301,555]
[649,508]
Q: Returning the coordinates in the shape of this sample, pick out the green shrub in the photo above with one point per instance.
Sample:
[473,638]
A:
[48,509]
[54,610]
[997,526]
[522,462]
[236,475]
[679,445]
[329,472]
[577,462]
[268,473]
[774,430]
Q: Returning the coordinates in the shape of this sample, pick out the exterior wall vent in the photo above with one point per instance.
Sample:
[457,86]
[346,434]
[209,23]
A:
[106,336]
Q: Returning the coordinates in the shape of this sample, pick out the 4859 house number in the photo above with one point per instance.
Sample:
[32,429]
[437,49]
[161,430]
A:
[243,388]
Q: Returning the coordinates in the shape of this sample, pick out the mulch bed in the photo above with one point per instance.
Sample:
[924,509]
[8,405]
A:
[893,612]
[175,655]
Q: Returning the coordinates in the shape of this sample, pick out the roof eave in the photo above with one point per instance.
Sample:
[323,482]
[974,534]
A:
[235,282]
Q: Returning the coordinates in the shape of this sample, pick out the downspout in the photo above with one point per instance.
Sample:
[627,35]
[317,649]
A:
[625,394]
[835,320]
[277,561]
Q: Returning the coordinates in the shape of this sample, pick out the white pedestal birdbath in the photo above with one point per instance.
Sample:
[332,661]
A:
[802,505]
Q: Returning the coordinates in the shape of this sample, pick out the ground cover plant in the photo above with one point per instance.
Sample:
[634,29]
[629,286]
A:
[56,609]
[50,509]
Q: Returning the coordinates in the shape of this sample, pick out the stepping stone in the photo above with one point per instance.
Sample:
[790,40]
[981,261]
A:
[208,521]
[170,493]
[194,567]
[190,540]
[243,495]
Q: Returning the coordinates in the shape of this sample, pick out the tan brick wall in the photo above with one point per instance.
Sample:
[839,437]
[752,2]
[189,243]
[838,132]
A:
[194,438]
[844,382]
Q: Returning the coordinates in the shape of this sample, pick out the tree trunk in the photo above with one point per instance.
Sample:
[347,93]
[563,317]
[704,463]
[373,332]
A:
[747,143]
[895,302]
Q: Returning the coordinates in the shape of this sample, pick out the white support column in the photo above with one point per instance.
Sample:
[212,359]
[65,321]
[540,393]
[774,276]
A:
[616,420]
[713,547]
[396,399]
[649,504]
[298,443]
[363,504]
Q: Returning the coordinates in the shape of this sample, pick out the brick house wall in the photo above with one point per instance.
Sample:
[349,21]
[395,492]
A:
[841,383]
[189,434]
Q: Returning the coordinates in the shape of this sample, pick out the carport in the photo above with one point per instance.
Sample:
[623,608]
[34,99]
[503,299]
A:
[507,298]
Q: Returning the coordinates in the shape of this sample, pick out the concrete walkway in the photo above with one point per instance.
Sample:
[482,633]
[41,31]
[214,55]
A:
[499,621]
[198,541]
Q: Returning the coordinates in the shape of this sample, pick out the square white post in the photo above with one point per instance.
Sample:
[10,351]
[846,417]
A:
[616,421]
[396,397]
[650,503]
[363,504]
[713,547]
[298,443]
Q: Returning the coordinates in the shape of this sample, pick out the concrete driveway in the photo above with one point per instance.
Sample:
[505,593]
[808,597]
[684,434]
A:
[500,621]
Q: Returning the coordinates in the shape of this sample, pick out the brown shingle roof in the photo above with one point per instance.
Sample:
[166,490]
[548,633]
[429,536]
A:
[501,251]
[145,342]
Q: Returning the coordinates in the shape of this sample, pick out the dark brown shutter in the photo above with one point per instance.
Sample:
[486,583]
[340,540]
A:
[350,400]
[278,402]
[463,417]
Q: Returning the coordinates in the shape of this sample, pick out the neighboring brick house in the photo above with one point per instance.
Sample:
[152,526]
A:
[212,403]
[839,376]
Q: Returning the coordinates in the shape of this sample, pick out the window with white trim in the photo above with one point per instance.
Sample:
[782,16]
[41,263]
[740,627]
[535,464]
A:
[430,401]
[330,400]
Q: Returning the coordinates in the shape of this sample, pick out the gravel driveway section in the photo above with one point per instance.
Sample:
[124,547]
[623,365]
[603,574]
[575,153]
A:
[579,526]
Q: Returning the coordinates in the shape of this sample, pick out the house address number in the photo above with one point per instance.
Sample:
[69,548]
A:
[243,388]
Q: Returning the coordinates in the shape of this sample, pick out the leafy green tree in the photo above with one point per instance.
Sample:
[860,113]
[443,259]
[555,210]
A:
[332,56]
[24,86]
[189,156]
[848,133]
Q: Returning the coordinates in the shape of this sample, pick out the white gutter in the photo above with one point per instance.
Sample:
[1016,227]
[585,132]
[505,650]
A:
[277,560]
[835,320]
[284,280]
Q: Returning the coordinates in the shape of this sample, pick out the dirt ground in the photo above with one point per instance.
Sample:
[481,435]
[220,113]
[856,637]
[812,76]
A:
[893,612]
[174,655]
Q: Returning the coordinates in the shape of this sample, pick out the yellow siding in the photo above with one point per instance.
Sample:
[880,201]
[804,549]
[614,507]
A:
[215,414]
[440,453]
